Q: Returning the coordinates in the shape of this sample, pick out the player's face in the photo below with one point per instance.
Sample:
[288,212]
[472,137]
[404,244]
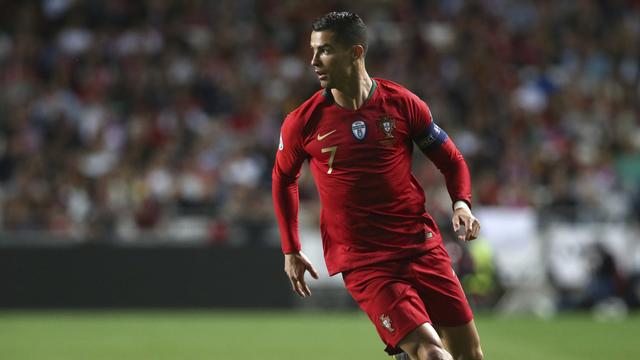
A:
[331,61]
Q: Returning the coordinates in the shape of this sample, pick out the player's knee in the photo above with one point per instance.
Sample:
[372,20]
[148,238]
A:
[476,354]
[473,354]
[432,352]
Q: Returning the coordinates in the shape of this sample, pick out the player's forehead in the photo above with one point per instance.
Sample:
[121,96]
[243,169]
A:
[322,38]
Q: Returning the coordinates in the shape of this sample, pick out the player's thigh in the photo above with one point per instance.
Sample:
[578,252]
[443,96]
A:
[440,289]
[392,304]
[463,342]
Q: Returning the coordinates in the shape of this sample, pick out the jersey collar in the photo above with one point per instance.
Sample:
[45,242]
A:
[374,85]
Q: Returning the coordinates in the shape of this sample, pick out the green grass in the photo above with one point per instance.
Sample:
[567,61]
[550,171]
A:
[222,335]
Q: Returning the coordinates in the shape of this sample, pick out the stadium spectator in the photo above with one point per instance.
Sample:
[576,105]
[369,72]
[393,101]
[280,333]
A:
[109,106]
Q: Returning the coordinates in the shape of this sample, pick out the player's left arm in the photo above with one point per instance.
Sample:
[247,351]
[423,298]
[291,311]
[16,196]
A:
[434,142]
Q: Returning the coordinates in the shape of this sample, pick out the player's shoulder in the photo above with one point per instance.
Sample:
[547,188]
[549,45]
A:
[394,91]
[398,96]
[302,113]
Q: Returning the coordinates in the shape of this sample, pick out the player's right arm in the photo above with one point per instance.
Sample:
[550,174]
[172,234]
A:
[295,265]
[286,171]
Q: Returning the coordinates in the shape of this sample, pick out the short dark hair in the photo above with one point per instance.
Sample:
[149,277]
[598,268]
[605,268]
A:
[348,27]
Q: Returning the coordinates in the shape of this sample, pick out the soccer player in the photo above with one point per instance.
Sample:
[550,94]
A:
[358,135]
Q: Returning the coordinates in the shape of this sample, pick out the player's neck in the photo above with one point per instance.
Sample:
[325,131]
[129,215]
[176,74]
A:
[354,92]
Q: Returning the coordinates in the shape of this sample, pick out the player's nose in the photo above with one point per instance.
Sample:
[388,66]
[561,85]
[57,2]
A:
[315,60]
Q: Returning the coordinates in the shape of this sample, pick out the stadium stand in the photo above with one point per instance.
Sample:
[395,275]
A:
[157,121]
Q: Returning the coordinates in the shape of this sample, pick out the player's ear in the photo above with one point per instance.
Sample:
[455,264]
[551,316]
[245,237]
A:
[357,52]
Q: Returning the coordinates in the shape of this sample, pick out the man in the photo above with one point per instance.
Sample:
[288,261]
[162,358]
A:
[358,134]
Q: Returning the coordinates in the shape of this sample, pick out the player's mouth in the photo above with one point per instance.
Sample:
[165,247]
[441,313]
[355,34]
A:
[321,75]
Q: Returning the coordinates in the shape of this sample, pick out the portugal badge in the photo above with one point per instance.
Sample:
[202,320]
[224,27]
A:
[387,124]
[386,322]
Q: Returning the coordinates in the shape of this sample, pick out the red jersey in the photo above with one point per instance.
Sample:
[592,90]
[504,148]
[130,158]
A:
[373,208]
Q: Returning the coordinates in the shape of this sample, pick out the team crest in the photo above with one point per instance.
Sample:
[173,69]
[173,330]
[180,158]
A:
[386,322]
[387,124]
[359,129]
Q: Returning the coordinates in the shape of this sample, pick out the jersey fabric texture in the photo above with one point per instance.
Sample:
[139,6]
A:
[373,208]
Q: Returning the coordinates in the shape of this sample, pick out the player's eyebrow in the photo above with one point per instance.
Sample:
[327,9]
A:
[321,46]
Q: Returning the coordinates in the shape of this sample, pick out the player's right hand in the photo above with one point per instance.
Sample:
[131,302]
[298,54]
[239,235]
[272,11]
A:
[295,266]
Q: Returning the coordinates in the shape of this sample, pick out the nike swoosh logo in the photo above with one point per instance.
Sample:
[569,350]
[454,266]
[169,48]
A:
[321,137]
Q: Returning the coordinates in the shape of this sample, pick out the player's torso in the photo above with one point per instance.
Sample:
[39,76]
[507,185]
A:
[372,206]
[362,156]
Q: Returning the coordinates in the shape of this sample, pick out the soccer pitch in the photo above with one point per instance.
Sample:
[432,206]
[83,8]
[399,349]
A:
[222,335]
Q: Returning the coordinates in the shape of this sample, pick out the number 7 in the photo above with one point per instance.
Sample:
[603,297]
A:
[332,150]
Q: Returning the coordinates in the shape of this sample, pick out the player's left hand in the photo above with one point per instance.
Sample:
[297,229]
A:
[465,224]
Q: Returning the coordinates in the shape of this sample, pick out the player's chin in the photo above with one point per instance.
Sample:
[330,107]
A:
[325,84]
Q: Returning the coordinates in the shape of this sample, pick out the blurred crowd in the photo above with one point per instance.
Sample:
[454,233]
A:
[133,119]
